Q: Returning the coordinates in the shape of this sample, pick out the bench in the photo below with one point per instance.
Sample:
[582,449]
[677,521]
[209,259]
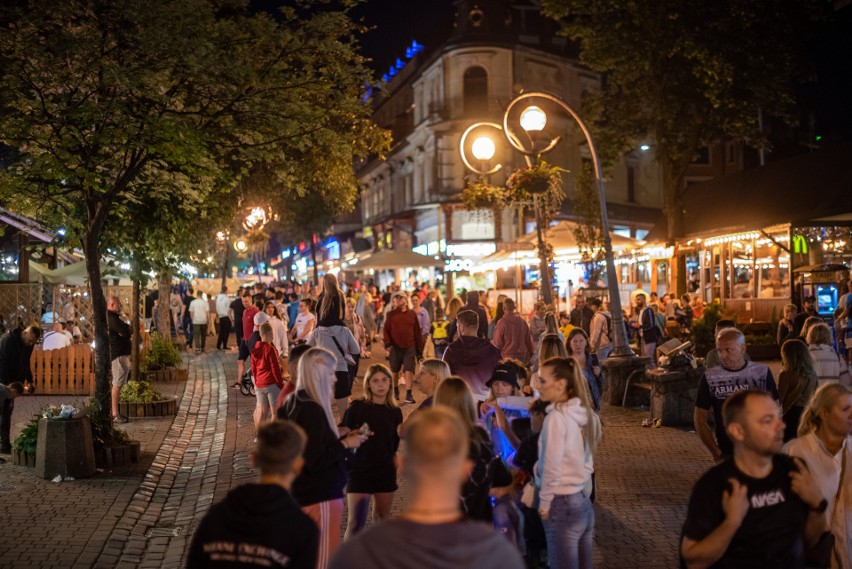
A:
[67,371]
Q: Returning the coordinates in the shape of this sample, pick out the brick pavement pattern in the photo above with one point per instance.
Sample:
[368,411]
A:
[644,476]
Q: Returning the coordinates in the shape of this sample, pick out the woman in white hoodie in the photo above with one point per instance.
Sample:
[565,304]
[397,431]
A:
[564,470]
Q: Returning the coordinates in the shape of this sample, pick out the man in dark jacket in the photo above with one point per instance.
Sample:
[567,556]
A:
[16,347]
[582,315]
[404,343]
[470,357]
[260,525]
[119,353]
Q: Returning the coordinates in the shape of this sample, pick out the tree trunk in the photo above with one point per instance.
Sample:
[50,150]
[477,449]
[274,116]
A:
[672,202]
[134,331]
[164,312]
[91,246]
[314,259]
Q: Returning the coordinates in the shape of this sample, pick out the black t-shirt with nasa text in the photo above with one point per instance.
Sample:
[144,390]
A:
[718,383]
[772,533]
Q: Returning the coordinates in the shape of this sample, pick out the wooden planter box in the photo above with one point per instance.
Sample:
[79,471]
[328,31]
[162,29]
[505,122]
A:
[118,456]
[162,408]
[171,374]
[22,458]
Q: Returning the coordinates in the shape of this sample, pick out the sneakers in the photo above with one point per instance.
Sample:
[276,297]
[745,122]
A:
[409,398]
[119,419]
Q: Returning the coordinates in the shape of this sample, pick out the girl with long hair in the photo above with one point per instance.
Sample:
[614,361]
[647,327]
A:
[455,394]
[331,302]
[366,311]
[372,471]
[796,384]
[825,444]
[319,488]
[569,437]
[279,332]
[551,346]
[453,308]
[579,349]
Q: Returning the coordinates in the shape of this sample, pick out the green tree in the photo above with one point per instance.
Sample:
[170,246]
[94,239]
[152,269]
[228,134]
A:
[112,104]
[683,74]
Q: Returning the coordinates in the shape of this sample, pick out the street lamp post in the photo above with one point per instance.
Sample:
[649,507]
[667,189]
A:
[533,121]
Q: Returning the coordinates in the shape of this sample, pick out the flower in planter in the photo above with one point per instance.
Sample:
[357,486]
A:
[525,183]
[479,195]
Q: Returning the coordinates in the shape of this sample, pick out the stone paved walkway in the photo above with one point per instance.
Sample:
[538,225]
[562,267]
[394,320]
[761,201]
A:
[144,516]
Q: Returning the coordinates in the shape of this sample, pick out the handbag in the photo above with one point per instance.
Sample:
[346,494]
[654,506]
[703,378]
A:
[819,555]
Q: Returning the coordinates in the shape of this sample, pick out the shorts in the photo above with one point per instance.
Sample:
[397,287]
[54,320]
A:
[402,358]
[267,395]
[343,384]
[120,370]
[243,351]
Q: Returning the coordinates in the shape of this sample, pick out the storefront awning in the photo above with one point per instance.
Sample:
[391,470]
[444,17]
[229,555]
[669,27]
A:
[394,259]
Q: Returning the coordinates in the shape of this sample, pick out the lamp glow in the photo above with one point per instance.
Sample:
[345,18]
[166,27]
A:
[241,246]
[533,119]
[483,148]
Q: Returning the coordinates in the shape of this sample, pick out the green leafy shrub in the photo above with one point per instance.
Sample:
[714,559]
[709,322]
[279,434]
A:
[162,355]
[139,392]
[28,439]
[704,329]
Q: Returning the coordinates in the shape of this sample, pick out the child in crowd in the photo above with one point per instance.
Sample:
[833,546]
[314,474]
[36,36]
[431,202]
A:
[440,337]
[268,379]
[504,403]
[372,471]
[565,325]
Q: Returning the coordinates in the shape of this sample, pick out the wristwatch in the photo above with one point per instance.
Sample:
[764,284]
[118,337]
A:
[823,506]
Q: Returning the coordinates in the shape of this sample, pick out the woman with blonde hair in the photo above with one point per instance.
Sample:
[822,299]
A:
[828,365]
[455,394]
[569,437]
[453,308]
[825,444]
[319,488]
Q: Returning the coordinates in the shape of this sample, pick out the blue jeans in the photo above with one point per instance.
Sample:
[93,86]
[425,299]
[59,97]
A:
[569,531]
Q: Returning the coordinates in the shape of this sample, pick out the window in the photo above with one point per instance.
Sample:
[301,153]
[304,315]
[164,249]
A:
[475,90]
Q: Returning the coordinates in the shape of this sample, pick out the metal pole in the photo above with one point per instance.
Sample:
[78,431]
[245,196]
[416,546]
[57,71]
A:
[544,272]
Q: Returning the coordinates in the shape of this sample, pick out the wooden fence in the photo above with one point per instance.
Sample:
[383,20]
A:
[67,371]
[71,370]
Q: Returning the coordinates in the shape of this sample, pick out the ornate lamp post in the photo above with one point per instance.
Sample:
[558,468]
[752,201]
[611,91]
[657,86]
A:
[533,121]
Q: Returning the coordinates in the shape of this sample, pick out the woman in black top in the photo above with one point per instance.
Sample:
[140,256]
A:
[454,393]
[319,488]
[372,470]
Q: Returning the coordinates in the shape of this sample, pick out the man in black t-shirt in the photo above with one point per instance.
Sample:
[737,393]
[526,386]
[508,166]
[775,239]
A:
[760,508]
[260,525]
[720,382]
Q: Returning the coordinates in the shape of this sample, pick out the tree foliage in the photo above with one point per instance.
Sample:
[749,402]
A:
[134,122]
[682,74]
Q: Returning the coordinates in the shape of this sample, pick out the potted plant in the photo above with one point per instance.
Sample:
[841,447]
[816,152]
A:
[480,195]
[140,399]
[24,446]
[163,360]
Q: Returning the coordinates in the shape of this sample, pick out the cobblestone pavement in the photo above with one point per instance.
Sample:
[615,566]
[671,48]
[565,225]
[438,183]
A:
[129,517]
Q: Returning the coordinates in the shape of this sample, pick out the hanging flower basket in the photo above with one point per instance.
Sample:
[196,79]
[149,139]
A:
[479,195]
[538,179]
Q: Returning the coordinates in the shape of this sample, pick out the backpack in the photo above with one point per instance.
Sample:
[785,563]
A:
[439,330]
[608,330]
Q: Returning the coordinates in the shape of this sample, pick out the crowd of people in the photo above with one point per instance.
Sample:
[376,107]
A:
[505,432]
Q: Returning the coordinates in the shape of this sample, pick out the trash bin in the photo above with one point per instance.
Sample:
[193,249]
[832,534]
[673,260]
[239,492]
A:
[65,448]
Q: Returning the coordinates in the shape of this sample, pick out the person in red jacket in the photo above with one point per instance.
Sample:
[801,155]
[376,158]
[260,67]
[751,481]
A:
[404,343]
[268,379]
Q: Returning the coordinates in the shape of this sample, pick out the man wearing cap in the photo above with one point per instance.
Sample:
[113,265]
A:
[403,340]
[56,338]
